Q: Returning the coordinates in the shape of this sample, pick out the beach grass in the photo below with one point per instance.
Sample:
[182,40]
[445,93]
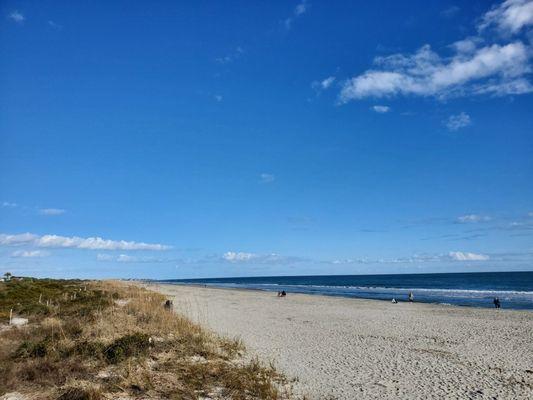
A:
[105,339]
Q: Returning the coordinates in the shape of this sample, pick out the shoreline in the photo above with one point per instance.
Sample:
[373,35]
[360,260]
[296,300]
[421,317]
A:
[362,348]
[400,301]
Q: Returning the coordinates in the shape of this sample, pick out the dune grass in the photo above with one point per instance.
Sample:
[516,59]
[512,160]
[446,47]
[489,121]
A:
[102,340]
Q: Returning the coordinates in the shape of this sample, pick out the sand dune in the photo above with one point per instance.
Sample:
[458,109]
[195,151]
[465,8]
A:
[349,348]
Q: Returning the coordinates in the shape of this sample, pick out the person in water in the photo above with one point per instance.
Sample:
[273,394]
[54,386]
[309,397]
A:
[411,297]
[496,302]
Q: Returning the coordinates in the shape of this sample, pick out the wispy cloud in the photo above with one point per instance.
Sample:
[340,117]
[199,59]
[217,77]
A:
[458,121]
[474,68]
[29,254]
[54,25]
[473,218]
[218,98]
[51,211]
[249,258]
[17,17]
[323,84]
[231,56]
[464,256]
[8,204]
[267,178]
[450,11]
[381,109]
[126,258]
[416,258]
[299,10]
[509,17]
[75,242]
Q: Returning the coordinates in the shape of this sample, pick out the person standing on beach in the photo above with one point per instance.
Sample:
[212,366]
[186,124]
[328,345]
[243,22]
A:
[496,302]
[411,297]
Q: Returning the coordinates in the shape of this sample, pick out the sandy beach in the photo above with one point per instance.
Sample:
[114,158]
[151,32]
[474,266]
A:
[350,348]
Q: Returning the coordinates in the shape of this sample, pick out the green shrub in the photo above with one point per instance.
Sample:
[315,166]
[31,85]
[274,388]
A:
[127,346]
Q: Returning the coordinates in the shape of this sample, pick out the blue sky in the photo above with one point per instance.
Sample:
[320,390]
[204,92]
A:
[190,139]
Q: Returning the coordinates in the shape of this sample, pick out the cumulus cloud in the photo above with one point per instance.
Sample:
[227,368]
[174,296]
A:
[473,218]
[456,122]
[463,256]
[51,211]
[509,17]
[75,242]
[381,109]
[17,17]
[299,10]
[267,178]
[29,254]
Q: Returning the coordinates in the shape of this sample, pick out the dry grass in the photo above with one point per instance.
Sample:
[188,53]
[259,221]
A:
[97,340]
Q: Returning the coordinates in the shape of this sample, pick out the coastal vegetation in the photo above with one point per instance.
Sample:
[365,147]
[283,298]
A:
[102,339]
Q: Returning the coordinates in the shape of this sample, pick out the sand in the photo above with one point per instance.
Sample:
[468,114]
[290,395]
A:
[366,349]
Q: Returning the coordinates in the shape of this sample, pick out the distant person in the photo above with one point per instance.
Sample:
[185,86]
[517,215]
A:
[283,293]
[496,302]
[411,297]
[169,305]
[394,301]
[279,294]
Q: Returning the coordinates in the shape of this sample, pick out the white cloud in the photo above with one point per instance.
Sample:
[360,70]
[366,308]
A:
[323,84]
[246,258]
[29,254]
[51,211]
[299,10]
[218,98]
[491,69]
[473,218]
[478,65]
[232,256]
[19,239]
[105,257]
[267,178]
[462,256]
[381,109]
[122,258]
[458,121]
[126,258]
[54,25]
[416,258]
[230,57]
[450,11]
[17,17]
[7,204]
[75,242]
[509,17]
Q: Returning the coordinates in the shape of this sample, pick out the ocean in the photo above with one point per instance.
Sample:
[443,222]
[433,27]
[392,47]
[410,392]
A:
[514,289]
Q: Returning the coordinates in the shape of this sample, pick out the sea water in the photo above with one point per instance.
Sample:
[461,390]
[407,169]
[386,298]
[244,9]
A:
[514,289]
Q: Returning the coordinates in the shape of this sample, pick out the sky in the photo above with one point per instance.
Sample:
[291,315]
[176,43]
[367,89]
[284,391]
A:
[174,139]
